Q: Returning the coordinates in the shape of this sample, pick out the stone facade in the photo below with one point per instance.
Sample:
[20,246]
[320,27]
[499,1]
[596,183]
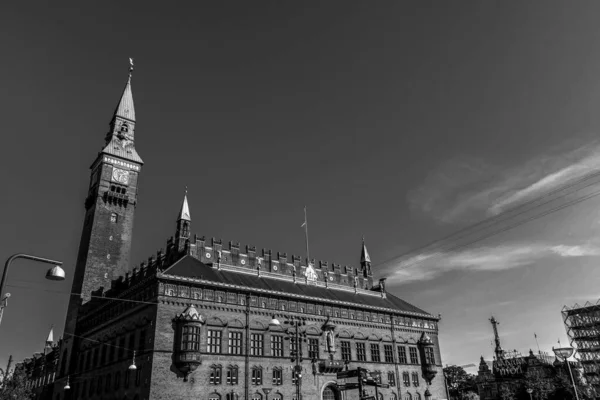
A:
[206,321]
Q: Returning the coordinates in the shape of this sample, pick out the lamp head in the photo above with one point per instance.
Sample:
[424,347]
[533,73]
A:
[563,352]
[529,390]
[56,273]
[274,322]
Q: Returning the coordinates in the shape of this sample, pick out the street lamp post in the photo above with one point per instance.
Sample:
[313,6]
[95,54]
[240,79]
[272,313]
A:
[529,390]
[564,353]
[55,273]
[296,356]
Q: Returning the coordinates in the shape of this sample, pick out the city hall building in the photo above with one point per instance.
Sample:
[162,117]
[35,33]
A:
[209,320]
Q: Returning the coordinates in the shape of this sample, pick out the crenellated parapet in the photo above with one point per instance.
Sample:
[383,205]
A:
[275,264]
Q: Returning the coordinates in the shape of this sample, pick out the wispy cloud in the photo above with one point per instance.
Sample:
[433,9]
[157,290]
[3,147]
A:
[469,189]
[428,266]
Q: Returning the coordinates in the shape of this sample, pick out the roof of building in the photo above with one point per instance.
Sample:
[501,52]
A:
[191,267]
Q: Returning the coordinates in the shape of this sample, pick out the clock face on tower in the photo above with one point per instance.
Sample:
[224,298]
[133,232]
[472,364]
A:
[120,176]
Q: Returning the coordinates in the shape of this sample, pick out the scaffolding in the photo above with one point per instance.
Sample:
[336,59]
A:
[583,329]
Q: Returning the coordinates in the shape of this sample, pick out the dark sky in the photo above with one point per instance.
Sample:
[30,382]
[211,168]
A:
[260,108]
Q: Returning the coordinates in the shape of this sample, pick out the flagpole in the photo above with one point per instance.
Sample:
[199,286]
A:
[306,236]
[536,342]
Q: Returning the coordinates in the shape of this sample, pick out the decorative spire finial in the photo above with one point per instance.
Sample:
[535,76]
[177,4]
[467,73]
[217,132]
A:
[130,66]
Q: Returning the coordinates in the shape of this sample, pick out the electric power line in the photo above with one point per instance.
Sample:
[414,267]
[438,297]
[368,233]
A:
[501,217]
[552,210]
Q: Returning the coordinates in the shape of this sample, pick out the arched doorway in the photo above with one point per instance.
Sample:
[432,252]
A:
[330,392]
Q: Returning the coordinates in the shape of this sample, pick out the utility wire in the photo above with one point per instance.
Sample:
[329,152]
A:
[505,215]
[79,294]
[553,210]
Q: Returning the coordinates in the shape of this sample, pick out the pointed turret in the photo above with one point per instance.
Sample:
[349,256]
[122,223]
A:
[49,341]
[120,138]
[365,259]
[184,214]
[184,219]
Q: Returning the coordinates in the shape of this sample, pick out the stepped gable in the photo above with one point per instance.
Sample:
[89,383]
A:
[190,267]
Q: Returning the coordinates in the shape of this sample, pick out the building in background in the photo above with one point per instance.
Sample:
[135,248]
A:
[513,372]
[207,320]
[583,328]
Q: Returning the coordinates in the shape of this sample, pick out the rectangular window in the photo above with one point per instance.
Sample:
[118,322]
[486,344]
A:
[131,344]
[429,357]
[406,379]
[103,351]
[414,359]
[256,344]
[277,376]
[138,376]
[313,348]
[388,353]
[213,344]
[113,351]
[142,342]
[95,359]
[276,346]
[361,353]
[256,376]
[346,351]
[235,342]
[402,354]
[375,355]
[293,347]
[190,338]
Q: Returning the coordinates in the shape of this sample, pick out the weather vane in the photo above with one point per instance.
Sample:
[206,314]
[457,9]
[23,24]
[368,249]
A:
[130,65]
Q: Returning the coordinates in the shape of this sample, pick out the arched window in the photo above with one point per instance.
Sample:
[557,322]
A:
[391,378]
[406,378]
[117,380]
[215,375]
[277,376]
[232,396]
[393,396]
[232,375]
[415,378]
[257,375]
[407,396]
[328,393]
[214,396]
[417,396]
[380,396]
[277,396]
[257,396]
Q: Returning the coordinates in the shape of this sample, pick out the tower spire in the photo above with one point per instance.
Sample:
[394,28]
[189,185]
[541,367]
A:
[120,139]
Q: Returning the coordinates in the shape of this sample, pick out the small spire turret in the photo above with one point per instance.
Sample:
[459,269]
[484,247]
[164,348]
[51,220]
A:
[365,259]
[184,220]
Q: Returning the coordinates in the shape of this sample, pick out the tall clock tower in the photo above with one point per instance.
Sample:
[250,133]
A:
[109,210]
